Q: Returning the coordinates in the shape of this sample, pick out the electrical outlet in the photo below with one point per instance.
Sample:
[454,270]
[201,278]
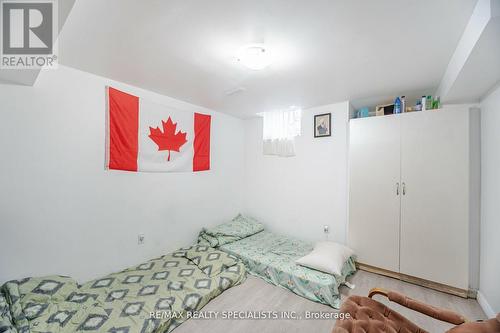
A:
[326,229]
[140,239]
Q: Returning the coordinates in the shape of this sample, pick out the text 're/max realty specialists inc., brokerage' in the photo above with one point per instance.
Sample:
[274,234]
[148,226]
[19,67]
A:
[250,315]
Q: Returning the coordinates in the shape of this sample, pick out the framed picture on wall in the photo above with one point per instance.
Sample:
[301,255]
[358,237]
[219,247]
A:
[322,125]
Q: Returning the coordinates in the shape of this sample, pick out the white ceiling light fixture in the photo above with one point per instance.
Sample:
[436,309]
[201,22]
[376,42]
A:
[254,56]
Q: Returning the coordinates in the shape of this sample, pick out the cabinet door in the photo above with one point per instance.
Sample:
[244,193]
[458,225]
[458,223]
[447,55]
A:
[434,207]
[374,203]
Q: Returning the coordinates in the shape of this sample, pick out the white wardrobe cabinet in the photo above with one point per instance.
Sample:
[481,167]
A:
[409,194]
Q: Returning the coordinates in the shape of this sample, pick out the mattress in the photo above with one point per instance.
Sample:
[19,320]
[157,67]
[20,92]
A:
[169,287]
[272,258]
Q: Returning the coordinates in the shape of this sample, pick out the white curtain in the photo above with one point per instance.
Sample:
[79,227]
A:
[280,130]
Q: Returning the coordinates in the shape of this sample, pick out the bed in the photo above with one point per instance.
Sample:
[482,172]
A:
[272,258]
[170,287]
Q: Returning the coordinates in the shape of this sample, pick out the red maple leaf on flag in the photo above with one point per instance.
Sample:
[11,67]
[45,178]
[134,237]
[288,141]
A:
[168,139]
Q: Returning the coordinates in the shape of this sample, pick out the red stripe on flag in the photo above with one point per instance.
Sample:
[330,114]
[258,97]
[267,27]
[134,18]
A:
[201,159]
[123,130]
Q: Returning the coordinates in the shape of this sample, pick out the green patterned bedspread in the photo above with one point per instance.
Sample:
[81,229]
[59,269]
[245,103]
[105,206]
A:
[170,286]
[272,257]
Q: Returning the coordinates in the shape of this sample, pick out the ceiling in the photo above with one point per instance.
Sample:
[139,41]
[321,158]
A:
[481,71]
[326,50]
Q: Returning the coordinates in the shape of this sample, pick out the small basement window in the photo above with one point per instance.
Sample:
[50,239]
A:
[279,131]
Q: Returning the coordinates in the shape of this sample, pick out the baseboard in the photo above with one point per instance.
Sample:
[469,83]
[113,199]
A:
[376,270]
[483,302]
[418,281]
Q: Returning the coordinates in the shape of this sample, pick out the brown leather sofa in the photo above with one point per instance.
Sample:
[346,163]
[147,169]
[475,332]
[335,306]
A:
[369,316]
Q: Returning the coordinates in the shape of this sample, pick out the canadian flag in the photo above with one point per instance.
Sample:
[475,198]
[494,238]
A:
[145,136]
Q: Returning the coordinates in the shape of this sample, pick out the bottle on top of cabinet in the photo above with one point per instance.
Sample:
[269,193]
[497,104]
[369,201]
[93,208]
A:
[397,105]
[428,103]
[436,102]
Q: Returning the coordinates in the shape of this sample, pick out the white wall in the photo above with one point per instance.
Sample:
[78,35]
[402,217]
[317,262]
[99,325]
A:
[489,286]
[474,195]
[298,195]
[61,212]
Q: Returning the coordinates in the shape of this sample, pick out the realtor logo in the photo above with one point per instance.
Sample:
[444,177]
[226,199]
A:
[28,34]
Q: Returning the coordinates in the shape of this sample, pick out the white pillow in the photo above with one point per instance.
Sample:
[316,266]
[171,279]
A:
[328,257]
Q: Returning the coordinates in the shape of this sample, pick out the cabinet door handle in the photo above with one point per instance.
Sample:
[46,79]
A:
[404,188]
[397,188]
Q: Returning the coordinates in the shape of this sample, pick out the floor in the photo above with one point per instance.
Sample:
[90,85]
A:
[256,295]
